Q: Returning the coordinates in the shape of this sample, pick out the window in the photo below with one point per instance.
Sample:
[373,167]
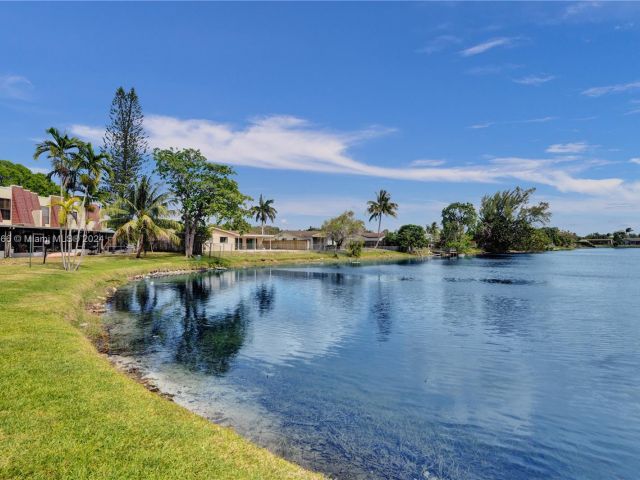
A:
[45,215]
[223,239]
[5,208]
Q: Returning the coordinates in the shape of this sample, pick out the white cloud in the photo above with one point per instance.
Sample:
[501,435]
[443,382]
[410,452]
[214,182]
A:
[38,170]
[290,143]
[635,160]
[486,46]
[440,43]
[92,134]
[492,69]
[15,87]
[606,90]
[576,147]
[513,122]
[534,80]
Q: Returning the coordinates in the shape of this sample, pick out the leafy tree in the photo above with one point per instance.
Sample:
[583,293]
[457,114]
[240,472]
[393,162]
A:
[507,221]
[60,149]
[411,237]
[537,241]
[338,229]
[202,189]
[125,141]
[16,174]
[618,238]
[458,220]
[433,232]
[380,207]
[143,216]
[264,212]
[391,239]
[560,238]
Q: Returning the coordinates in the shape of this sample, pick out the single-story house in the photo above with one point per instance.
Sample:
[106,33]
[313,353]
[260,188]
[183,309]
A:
[222,240]
[301,240]
[632,242]
[370,239]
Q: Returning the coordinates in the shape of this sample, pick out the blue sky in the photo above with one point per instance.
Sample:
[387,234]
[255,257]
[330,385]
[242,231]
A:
[320,105]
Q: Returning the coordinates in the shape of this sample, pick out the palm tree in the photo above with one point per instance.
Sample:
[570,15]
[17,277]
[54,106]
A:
[264,212]
[60,150]
[142,216]
[90,167]
[380,207]
[68,209]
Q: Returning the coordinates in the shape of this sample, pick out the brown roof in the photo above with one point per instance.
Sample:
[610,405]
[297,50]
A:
[372,234]
[303,234]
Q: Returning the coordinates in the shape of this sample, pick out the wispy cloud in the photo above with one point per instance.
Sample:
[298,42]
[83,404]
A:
[15,87]
[568,148]
[439,44]
[512,122]
[534,80]
[486,46]
[290,143]
[492,69]
[635,160]
[609,89]
[428,162]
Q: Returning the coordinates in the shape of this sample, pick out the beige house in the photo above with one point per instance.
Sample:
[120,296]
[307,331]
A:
[222,240]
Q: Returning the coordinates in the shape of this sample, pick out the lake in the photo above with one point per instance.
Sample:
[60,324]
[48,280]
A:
[510,367]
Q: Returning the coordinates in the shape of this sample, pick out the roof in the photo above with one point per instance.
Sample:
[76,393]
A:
[372,235]
[241,235]
[301,234]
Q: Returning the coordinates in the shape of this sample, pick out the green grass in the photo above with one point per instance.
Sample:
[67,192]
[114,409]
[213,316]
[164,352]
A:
[66,412]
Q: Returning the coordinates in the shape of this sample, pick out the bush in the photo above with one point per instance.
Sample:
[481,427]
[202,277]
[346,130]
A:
[354,248]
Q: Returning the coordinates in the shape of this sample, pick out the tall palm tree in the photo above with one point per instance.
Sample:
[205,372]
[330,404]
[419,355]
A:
[380,207]
[90,167]
[60,150]
[264,212]
[143,215]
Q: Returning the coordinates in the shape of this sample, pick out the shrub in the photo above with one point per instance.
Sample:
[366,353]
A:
[354,248]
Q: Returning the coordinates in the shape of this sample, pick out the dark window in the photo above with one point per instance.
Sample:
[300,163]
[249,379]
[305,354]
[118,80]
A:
[5,208]
[45,215]
[223,239]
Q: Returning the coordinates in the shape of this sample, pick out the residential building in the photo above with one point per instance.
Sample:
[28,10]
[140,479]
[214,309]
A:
[29,222]
[222,240]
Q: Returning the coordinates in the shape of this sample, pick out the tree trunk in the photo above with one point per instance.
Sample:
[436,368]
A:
[379,226]
[139,247]
[187,236]
[263,227]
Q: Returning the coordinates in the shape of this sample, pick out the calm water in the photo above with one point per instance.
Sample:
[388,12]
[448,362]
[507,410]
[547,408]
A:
[520,367]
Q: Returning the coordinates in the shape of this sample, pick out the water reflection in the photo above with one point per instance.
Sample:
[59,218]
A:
[508,368]
[209,344]
[381,310]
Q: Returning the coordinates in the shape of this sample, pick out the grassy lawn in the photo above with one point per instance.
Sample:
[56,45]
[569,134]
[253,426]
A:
[65,412]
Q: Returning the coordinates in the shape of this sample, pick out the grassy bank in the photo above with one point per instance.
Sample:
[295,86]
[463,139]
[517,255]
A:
[65,412]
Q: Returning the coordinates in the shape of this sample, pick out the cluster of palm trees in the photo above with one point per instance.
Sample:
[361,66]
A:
[79,168]
[140,216]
